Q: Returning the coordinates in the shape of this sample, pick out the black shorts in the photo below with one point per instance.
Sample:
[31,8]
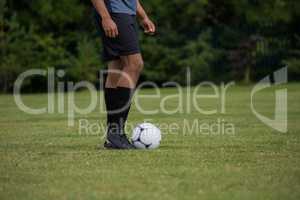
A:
[126,43]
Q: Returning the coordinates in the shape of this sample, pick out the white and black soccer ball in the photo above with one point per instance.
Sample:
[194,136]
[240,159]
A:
[146,136]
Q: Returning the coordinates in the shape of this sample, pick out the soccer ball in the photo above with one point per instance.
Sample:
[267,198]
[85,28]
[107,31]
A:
[146,136]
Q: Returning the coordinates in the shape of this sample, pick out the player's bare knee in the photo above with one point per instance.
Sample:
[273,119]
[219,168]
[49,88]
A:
[138,65]
[135,66]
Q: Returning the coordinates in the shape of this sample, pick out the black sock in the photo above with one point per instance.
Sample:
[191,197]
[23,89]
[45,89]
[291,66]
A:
[124,102]
[111,105]
[117,101]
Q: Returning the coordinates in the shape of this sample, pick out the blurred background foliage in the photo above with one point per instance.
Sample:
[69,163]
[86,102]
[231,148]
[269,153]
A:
[241,40]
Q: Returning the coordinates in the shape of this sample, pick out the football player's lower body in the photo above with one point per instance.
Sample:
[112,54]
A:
[125,64]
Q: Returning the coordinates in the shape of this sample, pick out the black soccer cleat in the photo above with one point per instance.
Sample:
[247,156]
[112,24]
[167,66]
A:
[108,145]
[117,141]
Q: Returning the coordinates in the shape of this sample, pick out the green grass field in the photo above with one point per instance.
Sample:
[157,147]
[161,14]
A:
[42,158]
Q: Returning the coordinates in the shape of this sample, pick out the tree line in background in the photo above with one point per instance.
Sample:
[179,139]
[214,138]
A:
[241,40]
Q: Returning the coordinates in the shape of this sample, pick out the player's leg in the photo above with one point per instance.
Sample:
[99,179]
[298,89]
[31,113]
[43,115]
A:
[114,72]
[126,48]
[112,79]
[132,67]
[116,99]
